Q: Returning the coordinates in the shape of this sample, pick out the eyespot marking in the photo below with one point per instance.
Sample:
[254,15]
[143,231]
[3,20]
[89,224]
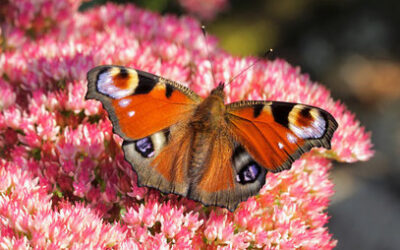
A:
[307,122]
[249,173]
[117,82]
[247,170]
[145,147]
[305,113]
[123,73]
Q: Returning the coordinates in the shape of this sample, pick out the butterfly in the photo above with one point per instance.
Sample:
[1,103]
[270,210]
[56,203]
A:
[201,148]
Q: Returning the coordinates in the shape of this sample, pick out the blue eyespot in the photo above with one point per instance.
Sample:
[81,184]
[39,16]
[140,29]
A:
[248,173]
[145,147]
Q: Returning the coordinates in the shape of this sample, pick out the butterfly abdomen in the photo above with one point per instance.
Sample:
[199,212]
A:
[199,154]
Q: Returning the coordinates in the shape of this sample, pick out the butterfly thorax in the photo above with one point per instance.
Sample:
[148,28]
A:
[210,114]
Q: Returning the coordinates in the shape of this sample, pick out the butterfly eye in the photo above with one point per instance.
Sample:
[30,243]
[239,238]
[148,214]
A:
[145,147]
[248,173]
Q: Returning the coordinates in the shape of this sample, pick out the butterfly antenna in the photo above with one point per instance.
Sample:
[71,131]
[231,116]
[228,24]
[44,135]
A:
[267,54]
[203,29]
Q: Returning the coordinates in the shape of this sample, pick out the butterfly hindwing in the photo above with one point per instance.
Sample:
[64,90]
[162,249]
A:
[138,103]
[277,133]
[161,160]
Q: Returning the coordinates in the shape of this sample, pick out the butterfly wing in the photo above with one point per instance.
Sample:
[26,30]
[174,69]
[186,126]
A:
[263,136]
[277,133]
[146,111]
[138,103]
[161,160]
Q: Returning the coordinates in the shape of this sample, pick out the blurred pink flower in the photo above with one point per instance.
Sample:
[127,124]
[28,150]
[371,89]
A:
[63,178]
[206,9]
[7,95]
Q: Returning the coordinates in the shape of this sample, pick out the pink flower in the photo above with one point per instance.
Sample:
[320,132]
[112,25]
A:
[7,95]
[64,182]
[206,10]
[219,229]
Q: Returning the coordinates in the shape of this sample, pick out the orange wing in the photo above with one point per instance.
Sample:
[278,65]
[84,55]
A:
[161,160]
[277,133]
[138,103]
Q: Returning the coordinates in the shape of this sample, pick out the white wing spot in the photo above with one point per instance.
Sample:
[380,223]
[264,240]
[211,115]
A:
[291,138]
[131,113]
[280,145]
[124,102]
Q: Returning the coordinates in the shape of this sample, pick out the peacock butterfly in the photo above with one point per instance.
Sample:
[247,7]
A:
[204,149]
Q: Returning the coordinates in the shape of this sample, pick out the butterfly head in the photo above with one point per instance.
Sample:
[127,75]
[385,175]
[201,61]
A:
[219,91]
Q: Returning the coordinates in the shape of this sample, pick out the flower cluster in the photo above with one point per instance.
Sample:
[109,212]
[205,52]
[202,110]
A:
[63,178]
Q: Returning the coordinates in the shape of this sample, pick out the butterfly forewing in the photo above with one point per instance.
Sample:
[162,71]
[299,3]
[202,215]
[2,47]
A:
[138,103]
[277,133]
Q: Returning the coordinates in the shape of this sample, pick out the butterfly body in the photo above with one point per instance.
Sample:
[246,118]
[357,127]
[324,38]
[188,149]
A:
[204,149]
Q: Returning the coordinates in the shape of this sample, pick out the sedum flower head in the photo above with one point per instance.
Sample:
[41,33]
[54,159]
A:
[63,179]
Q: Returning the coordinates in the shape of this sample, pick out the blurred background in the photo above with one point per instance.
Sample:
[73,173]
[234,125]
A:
[353,48]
